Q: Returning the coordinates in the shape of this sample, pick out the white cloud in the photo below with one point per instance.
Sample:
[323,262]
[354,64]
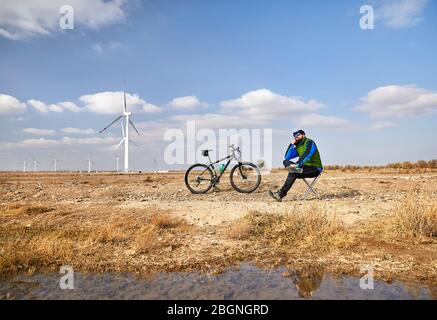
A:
[70,130]
[65,141]
[15,119]
[186,103]
[379,125]
[265,105]
[70,106]
[90,141]
[38,105]
[41,142]
[21,19]
[112,103]
[105,47]
[103,102]
[325,122]
[11,105]
[149,108]
[401,13]
[261,108]
[215,121]
[396,101]
[44,108]
[39,132]
[97,48]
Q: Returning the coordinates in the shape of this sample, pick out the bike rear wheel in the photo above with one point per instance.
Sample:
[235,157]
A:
[199,178]
[245,177]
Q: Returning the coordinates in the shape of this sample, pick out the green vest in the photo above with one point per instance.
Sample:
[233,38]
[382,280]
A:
[315,160]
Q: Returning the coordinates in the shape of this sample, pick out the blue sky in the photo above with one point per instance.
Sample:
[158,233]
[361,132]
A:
[365,96]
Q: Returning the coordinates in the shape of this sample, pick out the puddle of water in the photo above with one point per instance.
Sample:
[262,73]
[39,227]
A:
[245,282]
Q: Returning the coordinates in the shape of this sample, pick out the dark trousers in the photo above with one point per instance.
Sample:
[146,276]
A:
[308,172]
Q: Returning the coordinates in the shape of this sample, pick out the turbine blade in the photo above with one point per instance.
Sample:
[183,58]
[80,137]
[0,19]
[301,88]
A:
[118,145]
[124,94]
[118,118]
[134,143]
[132,124]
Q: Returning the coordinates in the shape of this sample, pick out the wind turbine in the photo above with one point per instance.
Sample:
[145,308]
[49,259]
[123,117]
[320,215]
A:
[89,160]
[155,164]
[125,130]
[23,165]
[34,164]
[55,163]
[116,159]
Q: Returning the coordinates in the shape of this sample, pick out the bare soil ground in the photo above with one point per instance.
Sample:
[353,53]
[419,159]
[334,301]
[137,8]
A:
[150,222]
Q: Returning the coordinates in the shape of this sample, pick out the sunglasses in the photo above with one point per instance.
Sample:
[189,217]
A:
[297,134]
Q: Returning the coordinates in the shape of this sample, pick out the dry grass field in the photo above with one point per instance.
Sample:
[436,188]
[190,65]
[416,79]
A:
[148,222]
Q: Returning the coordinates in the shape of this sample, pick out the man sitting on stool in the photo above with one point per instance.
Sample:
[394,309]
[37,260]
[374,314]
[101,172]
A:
[309,164]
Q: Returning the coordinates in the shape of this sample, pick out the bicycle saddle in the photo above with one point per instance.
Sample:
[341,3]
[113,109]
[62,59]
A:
[205,152]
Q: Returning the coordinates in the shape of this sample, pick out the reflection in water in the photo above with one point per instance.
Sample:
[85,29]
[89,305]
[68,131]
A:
[307,281]
[245,282]
[433,292]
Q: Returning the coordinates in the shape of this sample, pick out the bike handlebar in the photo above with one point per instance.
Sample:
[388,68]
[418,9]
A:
[234,147]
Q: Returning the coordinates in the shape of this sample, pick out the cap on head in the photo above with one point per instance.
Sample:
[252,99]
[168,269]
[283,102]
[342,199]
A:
[298,132]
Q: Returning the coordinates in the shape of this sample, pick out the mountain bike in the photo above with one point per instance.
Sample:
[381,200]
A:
[245,177]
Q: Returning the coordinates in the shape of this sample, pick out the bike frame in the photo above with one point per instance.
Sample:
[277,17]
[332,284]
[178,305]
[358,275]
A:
[229,158]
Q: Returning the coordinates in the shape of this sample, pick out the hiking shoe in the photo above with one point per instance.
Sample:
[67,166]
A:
[275,195]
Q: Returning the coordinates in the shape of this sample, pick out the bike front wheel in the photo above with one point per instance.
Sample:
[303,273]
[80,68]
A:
[199,178]
[245,177]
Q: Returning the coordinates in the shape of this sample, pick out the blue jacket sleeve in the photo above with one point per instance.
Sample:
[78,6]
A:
[311,148]
[291,152]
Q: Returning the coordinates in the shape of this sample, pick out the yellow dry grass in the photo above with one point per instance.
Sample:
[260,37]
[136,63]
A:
[309,228]
[18,208]
[412,220]
[58,239]
[151,236]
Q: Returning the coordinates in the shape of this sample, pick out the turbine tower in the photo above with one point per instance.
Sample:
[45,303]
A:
[24,165]
[155,165]
[125,130]
[116,160]
[55,163]
[89,163]
[89,160]
[35,162]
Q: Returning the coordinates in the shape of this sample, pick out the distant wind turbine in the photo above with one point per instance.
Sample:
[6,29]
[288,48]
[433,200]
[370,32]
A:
[55,163]
[125,131]
[89,160]
[23,165]
[155,164]
[116,160]
[35,162]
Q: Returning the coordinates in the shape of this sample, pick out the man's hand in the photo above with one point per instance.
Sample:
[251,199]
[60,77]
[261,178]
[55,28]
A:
[294,168]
